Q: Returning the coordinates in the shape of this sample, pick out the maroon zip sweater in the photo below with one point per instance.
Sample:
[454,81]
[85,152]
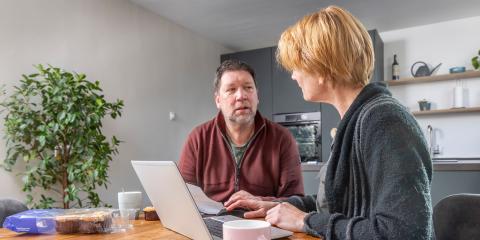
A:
[270,166]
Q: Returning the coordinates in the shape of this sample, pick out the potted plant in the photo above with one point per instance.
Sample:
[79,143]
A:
[424,105]
[475,61]
[53,123]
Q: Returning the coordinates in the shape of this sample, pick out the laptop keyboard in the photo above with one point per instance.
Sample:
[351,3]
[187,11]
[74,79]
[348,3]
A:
[215,227]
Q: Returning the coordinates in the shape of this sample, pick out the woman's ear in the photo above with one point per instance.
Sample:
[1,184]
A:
[329,81]
[321,80]
[324,80]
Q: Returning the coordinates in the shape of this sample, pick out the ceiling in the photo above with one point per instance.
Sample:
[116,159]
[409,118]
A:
[249,24]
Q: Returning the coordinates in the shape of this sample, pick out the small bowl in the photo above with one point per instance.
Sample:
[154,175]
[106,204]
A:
[424,105]
[457,69]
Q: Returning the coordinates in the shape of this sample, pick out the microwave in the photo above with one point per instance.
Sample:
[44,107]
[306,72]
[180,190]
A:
[306,129]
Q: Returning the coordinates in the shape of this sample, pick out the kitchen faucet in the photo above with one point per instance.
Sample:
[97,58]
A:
[433,149]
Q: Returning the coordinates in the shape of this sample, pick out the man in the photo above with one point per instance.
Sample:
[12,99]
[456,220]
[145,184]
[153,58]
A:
[239,152]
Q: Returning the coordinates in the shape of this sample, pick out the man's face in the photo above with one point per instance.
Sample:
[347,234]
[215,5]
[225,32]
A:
[237,97]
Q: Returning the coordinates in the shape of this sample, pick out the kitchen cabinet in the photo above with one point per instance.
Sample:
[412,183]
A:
[311,182]
[377,43]
[448,178]
[330,119]
[278,93]
[261,62]
[287,95]
[446,183]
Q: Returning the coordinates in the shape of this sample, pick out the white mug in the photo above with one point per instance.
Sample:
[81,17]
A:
[130,200]
[246,230]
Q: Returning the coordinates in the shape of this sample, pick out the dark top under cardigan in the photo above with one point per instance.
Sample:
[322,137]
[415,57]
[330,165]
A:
[377,184]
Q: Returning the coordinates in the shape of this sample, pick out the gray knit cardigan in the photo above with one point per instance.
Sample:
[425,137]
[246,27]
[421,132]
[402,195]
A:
[377,184]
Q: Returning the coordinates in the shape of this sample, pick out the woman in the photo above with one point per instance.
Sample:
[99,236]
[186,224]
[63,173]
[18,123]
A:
[377,183]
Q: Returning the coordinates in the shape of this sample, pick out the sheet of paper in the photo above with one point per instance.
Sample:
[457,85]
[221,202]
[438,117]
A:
[204,203]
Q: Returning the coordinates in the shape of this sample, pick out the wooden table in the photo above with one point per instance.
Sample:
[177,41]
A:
[141,230]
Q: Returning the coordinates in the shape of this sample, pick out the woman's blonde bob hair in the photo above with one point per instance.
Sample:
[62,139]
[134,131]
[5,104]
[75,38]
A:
[330,43]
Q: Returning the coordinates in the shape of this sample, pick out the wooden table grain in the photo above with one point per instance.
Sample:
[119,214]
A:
[141,230]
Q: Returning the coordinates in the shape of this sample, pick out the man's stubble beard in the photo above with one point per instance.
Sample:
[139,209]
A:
[242,120]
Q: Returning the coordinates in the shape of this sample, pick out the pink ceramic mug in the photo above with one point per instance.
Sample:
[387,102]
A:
[246,230]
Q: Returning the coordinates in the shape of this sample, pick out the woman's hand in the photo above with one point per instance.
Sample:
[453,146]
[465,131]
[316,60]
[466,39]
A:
[286,216]
[258,208]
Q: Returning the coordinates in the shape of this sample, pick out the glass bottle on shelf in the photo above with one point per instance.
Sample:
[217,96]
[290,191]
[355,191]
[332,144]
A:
[395,68]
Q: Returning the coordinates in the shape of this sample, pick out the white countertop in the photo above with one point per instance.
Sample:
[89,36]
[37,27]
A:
[450,164]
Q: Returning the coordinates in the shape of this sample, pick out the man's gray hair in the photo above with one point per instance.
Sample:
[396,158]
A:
[231,65]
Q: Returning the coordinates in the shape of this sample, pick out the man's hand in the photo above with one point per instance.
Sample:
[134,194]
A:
[286,216]
[259,208]
[241,195]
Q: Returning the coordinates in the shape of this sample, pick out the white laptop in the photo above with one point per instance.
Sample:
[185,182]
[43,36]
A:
[174,204]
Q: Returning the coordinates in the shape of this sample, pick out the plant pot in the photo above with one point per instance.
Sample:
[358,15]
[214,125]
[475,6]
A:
[424,105]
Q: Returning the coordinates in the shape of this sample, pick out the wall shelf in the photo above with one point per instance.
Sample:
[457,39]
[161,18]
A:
[447,111]
[443,77]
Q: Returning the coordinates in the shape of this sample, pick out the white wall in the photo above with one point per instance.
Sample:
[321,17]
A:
[451,43]
[155,66]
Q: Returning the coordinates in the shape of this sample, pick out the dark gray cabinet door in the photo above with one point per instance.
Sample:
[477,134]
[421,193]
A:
[261,62]
[378,49]
[446,183]
[330,119]
[287,95]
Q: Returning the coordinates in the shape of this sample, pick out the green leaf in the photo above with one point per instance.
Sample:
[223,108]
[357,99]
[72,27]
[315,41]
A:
[71,118]
[61,116]
[29,200]
[71,176]
[42,139]
[475,62]
[99,102]
[56,126]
